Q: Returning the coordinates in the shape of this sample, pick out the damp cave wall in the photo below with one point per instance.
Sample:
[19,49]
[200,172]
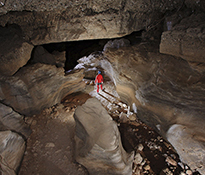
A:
[26,25]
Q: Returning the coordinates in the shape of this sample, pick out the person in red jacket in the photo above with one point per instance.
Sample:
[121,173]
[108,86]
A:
[99,81]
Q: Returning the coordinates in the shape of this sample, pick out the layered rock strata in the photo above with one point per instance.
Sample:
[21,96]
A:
[98,142]
[38,86]
[186,39]
[12,147]
[57,21]
[147,79]
[164,94]
[41,55]
[11,120]
[14,50]
[165,90]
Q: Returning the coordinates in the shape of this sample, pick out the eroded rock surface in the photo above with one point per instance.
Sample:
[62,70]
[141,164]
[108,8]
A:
[41,55]
[98,142]
[165,90]
[14,50]
[11,120]
[58,21]
[38,86]
[186,39]
[12,147]
[190,151]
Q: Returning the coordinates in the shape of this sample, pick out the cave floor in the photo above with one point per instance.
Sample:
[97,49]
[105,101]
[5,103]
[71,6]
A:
[50,148]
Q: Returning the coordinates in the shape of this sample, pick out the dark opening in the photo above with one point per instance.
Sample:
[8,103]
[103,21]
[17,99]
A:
[78,49]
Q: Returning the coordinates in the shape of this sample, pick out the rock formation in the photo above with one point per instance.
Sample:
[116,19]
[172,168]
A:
[98,143]
[41,55]
[12,147]
[10,120]
[152,81]
[14,50]
[143,77]
[186,40]
[155,83]
[57,21]
[38,86]
[186,143]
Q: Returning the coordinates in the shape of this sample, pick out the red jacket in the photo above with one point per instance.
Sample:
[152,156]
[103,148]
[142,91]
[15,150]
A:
[99,78]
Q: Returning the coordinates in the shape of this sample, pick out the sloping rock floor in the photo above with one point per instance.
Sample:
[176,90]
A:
[50,147]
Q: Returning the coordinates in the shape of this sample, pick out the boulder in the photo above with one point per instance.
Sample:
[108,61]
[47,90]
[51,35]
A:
[186,39]
[41,55]
[11,120]
[12,147]
[117,43]
[187,145]
[38,86]
[14,50]
[98,142]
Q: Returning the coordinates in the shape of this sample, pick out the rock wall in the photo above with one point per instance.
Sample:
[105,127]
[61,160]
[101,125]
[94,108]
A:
[57,21]
[38,86]
[186,39]
[98,142]
[27,23]
[154,82]
[11,120]
[150,80]
[190,150]
[12,147]
[14,50]
[33,88]
[41,55]
[165,89]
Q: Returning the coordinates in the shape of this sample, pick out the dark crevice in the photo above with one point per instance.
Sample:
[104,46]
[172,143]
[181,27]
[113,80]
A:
[75,50]
[78,49]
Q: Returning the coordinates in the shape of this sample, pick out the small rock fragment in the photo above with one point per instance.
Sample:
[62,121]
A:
[50,145]
[147,167]
[171,161]
[138,158]
[140,147]
[188,172]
